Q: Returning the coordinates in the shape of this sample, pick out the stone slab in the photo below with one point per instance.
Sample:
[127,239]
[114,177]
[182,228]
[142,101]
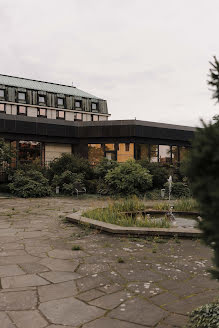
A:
[57,291]
[59,265]
[110,301]
[27,319]
[27,280]
[111,323]
[10,270]
[20,300]
[59,276]
[5,321]
[69,311]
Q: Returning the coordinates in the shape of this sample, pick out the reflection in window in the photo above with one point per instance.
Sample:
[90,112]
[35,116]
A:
[28,152]
[78,104]
[125,152]
[154,153]
[60,114]
[78,117]
[2,93]
[110,156]
[42,99]
[41,112]
[142,152]
[93,107]
[164,154]
[95,118]
[183,153]
[2,108]
[95,153]
[22,96]
[60,101]
[175,154]
[109,147]
[22,110]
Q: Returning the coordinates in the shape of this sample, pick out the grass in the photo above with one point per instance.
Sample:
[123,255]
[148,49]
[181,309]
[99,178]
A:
[184,204]
[76,248]
[113,214]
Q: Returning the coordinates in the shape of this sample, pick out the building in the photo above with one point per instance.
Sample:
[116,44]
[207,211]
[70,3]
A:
[43,120]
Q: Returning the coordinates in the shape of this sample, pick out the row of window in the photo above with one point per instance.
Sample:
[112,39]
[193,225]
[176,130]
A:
[42,112]
[42,100]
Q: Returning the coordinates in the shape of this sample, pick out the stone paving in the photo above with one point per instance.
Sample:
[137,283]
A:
[109,282]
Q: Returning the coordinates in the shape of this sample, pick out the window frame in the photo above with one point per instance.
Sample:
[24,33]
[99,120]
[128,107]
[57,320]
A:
[127,147]
[94,110]
[60,105]
[42,102]
[57,115]
[18,111]
[25,96]
[78,101]
[2,97]
[3,111]
[40,115]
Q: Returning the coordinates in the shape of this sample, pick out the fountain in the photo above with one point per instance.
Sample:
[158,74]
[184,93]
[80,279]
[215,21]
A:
[169,214]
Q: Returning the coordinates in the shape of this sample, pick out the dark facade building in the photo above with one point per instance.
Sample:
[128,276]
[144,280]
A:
[43,120]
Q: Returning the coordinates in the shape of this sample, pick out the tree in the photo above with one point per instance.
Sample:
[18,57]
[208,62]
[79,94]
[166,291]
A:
[6,153]
[214,78]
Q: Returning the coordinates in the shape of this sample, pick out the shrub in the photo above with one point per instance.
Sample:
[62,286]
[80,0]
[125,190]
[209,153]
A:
[6,153]
[206,316]
[103,167]
[29,184]
[179,190]
[129,178]
[159,172]
[72,163]
[203,173]
[68,181]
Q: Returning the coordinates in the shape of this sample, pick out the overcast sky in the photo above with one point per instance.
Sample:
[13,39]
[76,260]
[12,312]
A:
[148,58]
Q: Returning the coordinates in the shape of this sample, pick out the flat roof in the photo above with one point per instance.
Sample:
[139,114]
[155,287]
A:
[21,82]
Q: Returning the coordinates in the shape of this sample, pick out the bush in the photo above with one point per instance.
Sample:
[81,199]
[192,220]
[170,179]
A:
[159,172]
[203,173]
[179,190]
[29,184]
[129,178]
[103,167]
[206,316]
[72,163]
[68,182]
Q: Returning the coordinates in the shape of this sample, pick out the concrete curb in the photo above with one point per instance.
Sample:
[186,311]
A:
[118,230]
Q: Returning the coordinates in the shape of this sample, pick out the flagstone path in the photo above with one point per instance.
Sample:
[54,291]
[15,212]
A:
[110,282]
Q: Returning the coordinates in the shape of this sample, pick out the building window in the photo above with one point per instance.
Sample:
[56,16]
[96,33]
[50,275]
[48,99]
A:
[28,152]
[60,114]
[142,152]
[42,112]
[154,150]
[77,104]
[175,154]
[42,99]
[22,110]
[22,96]
[94,107]
[95,118]
[127,147]
[2,93]
[60,102]
[78,117]
[2,108]
[164,154]
[95,153]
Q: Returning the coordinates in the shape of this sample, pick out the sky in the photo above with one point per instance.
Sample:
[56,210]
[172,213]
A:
[148,58]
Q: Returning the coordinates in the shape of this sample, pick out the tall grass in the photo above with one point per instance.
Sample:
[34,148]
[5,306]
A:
[113,214]
[185,204]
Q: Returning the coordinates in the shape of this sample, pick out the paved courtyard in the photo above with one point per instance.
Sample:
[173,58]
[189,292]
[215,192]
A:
[54,274]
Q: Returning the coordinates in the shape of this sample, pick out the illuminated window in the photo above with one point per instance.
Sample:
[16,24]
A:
[22,110]
[22,96]
[60,114]
[2,108]
[95,153]
[77,104]
[42,112]
[60,101]
[2,93]
[42,99]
